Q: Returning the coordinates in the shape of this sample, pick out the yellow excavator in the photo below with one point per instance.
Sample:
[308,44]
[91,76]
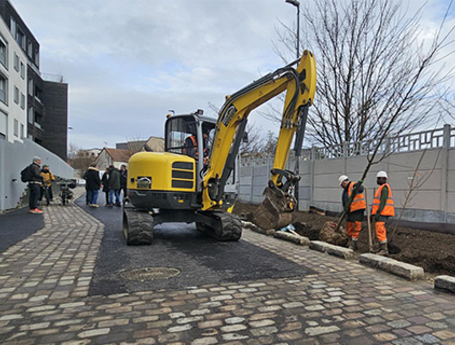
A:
[186,183]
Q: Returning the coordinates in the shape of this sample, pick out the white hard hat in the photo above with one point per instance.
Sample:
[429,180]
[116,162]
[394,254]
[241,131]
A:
[382,174]
[342,178]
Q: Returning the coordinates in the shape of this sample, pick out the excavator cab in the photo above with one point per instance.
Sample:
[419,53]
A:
[191,135]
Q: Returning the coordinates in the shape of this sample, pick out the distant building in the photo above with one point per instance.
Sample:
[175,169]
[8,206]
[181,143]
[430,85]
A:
[134,145]
[89,153]
[24,89]
[153,144]
[115,157]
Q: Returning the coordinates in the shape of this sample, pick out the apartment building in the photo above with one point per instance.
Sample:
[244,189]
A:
[44,98]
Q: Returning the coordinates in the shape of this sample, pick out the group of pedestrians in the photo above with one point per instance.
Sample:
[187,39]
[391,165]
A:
[112,183]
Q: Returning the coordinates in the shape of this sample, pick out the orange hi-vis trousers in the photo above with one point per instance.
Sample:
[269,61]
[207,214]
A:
[353,229]
[381,232]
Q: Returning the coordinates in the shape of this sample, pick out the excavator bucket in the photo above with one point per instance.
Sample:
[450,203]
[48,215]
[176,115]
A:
[275,212]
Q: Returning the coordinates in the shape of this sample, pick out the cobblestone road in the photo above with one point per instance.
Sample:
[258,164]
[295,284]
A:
[44,282]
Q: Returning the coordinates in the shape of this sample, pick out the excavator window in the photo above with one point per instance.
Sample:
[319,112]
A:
[178,131]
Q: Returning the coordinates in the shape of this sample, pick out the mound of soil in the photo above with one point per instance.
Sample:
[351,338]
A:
[433,251]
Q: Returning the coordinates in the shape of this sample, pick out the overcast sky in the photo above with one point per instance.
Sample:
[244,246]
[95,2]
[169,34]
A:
[128,62]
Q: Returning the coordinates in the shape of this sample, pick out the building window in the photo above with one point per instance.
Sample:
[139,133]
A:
[3,124]
[37,57]
[30,115]
[20,37]
[30,49]
[13,27]
[37,120]
[16,62]
[22,101]
[38,94]
[3,89]
[16,128]
[22,70]
[16,95]
[30,87]
[22,131]
[3,52]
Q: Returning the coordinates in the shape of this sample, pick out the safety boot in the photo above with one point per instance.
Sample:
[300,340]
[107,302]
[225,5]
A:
[352,244]
[384,249]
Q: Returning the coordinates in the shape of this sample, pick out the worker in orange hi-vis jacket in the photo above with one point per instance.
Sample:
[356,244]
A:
[356,209]
[383,209]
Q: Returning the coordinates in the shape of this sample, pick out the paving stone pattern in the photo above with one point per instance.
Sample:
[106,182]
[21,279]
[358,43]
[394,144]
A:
[45,278]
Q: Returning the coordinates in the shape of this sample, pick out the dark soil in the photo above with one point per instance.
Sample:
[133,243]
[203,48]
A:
[433,251]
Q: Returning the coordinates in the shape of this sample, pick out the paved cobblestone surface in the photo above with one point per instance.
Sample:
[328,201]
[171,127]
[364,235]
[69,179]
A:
[45,278]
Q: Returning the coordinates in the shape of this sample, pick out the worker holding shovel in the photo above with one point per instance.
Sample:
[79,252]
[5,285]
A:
[356,208]
[382,210]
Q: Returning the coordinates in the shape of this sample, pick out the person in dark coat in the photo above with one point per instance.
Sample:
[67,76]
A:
[93,184]
[34,185]
[114,186]
[123,179]
[105,185]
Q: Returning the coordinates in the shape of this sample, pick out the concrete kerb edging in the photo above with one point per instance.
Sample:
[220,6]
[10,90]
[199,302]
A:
[282,235]
[331,249]
[255,228]
[446,283]
[395,267]
[301,240]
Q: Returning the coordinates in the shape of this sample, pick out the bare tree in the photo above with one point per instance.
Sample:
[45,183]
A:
[372,68]
[78,158]
[417,180]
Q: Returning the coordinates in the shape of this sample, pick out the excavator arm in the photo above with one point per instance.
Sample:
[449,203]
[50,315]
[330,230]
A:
[300,85]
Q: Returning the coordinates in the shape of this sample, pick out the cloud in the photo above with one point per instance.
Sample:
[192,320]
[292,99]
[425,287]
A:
[128,62]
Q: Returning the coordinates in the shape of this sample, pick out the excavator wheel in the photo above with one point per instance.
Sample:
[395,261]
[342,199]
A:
[229,229]
[137,227]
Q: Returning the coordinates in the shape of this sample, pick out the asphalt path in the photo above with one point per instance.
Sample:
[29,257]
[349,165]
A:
[200,258]
[18,225]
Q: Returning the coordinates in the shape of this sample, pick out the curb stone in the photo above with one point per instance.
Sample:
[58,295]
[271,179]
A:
[395,267]
[255,228]
[302,240]
[331,249]
[446,283]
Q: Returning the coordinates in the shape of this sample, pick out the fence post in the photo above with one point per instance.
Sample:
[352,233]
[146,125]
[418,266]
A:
[312,161]
[252,179]
[445,170]
[345,157]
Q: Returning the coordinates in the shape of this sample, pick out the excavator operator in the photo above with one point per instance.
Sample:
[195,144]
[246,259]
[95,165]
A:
[191,147]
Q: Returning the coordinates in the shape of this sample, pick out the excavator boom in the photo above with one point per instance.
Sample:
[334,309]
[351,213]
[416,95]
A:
[300,85]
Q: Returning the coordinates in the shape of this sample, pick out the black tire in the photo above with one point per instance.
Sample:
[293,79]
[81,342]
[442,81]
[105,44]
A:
[137,227]
[231,227]
[63,199]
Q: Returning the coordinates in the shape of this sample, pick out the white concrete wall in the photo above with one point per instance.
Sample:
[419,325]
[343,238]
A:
[433,201]
[16,156]
[15,79]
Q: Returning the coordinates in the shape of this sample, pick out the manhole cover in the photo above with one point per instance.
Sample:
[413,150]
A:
[150,273]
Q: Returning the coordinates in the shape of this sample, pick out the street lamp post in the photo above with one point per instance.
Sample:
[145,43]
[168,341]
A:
[303,113]
[296,4]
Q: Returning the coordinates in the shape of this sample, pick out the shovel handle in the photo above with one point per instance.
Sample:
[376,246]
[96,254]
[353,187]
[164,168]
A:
[370,239]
